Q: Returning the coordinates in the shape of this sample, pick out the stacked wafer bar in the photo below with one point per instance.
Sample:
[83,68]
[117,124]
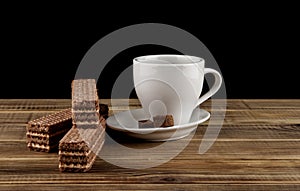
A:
[43,134]
[79,147]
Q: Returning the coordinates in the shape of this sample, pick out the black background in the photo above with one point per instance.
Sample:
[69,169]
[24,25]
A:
[256,48]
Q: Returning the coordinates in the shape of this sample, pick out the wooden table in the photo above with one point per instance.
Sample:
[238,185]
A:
[258,148]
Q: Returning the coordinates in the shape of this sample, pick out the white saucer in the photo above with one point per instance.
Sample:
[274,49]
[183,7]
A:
[127,122]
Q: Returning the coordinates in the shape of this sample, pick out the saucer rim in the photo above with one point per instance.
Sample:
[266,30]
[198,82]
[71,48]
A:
[158,129]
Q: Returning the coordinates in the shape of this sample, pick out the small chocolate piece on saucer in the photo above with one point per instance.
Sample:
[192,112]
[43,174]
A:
[146,124]
[163,121]
[158,121]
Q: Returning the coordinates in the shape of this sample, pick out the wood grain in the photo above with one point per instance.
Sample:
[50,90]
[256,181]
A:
[258,148]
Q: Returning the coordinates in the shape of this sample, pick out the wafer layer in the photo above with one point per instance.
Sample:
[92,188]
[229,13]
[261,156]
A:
[79,147]
[84,95]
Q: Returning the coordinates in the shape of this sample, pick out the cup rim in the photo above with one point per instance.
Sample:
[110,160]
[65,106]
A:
[193,59]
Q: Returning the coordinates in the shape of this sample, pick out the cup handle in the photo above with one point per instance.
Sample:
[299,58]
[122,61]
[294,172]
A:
[214,88]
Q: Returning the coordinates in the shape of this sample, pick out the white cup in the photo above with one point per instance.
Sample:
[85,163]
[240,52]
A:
[172,84]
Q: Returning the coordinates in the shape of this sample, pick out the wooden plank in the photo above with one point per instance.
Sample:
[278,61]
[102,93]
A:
[221,149]
[21,117]
[17,131]
[55,104]
[252,131]
[272,103]
[108,175]
[185,170]
[231,104]
[12,132]
[261,117]
[34,104]
[122,179]
[144,186]
[39,166]
[233,117]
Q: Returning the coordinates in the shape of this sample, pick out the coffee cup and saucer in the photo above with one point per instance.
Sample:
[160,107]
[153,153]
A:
[167,85]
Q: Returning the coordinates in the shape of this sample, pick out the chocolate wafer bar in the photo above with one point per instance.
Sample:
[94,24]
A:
[79,147]
[43,134]
[84,95]
[85,102]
